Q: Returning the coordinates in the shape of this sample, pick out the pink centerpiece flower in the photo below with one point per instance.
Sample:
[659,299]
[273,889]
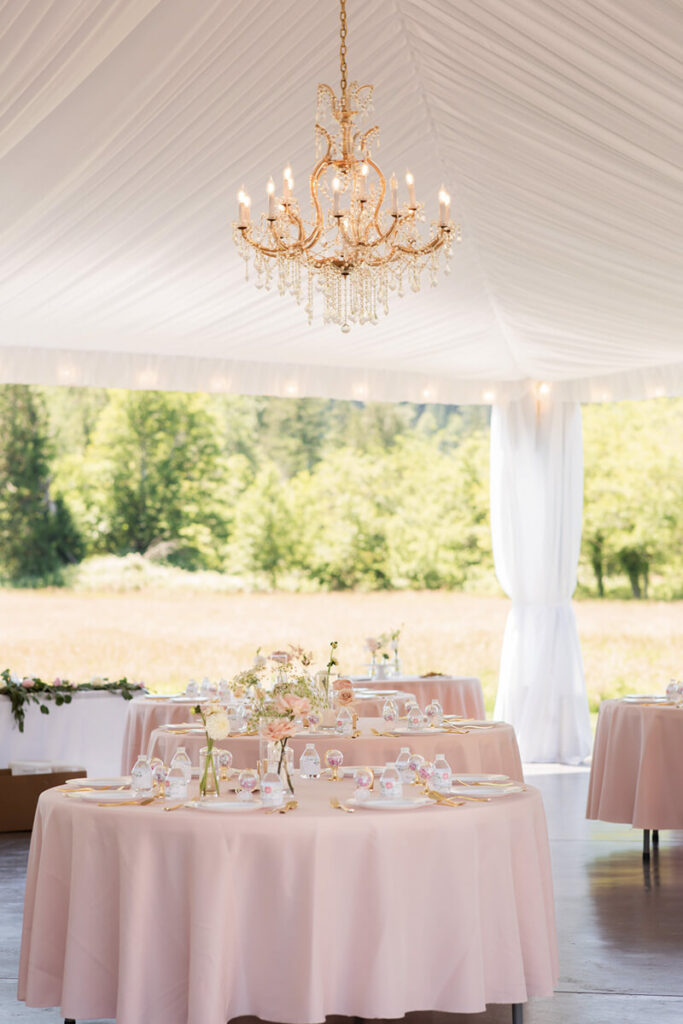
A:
[279,729]
[28,683]
[344,696]
[372,644]
[286,702]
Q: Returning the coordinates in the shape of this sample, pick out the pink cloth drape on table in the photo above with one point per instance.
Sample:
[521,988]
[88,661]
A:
[487,750]
[637,765]
[197,918]
[458,695]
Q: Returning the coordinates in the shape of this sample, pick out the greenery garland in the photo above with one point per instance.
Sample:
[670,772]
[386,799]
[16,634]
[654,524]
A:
[32,690]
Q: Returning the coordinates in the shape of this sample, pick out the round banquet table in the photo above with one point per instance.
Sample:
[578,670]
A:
[145,714]
[197,918]
[489,749]
[637,765]
[458,695]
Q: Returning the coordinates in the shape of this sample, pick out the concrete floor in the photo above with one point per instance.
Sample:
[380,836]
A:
[620,925]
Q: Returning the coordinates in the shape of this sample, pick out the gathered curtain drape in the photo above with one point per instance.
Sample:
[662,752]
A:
[536,510]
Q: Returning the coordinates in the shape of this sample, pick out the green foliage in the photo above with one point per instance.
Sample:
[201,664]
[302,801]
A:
[310,493]
[37,533]
[633,492]
[153,472]
[22,692]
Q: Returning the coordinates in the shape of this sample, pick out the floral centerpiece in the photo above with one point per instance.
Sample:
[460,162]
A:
[285,693]
[26,690]
[217,727]
[381,645]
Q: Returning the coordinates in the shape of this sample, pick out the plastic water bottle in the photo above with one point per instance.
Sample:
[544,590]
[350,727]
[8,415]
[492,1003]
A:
[443,776]
[175,785]
[141,780]
[403,765]
[390,785]
[309,765]
[181,759]
[225,693]
[390,710]
[344,722]
[271,788]
[192,689]
[415,718]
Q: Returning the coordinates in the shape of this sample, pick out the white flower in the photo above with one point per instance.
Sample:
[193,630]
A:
[217,725]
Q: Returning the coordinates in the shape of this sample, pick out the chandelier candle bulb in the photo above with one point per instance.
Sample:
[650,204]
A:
[364,182]
[394,195]
[410,182]
[336,186]
[241,199]
[444,203]
[270,189]
[287,183]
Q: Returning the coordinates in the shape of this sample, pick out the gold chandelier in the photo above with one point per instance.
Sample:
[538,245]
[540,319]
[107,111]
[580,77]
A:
[354,252]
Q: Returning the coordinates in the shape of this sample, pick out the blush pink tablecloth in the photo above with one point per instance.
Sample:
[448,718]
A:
[493,749]
[198,918]
[458,695]
[637,765]
[145,714]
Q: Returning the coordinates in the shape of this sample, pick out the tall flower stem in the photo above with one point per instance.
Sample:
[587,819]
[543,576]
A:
[283,760]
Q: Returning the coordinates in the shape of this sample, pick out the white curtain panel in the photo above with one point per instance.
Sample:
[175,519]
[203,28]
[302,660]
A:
[536,507]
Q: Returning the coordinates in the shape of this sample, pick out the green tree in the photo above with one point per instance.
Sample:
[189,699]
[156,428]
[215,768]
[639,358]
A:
[633,491]
[264,531]
[154,471]
[37,533]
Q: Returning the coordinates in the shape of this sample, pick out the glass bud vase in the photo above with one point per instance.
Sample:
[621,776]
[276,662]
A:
[208,771]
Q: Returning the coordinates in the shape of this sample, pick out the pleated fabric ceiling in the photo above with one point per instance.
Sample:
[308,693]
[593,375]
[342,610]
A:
[127,127]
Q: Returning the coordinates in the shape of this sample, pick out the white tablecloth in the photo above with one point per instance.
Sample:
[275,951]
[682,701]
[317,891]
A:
[87,732]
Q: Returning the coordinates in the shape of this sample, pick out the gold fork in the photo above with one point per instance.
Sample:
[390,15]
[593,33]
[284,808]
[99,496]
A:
[339,806]
[291,805]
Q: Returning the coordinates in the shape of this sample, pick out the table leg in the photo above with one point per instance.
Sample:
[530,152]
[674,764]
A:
[646,844]
[655,837]
[517,1013]
[69,1020]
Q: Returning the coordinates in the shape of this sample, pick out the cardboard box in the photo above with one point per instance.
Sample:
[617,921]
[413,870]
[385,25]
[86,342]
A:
[19,795]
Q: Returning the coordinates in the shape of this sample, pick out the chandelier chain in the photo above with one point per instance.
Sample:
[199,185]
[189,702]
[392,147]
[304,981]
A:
[342,49]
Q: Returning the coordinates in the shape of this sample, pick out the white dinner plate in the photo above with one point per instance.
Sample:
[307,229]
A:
[113,783]
[108,796]
[485,777]
[404,730]
[225,806]
[181,727]
[376,804]
[182,699]
[348,769]
[487,791]
[645,698]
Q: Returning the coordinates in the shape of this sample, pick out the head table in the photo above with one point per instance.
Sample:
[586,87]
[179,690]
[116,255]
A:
[198,918]
[638,764]
[486,747]
[88,732]
[145,714]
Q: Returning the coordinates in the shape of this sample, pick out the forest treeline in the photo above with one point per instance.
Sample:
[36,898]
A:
[313,493]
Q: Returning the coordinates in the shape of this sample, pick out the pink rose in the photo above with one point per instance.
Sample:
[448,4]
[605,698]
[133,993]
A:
[372,644]
[343,684]
[280,729]
[344,697]
[290,702]
[28,683]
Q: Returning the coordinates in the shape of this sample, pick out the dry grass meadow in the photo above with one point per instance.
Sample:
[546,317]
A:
[165,638]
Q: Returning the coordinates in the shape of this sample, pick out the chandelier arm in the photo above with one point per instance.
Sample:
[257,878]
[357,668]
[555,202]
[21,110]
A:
[431,246]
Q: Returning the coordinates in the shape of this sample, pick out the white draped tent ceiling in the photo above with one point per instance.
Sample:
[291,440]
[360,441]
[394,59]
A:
[127,127]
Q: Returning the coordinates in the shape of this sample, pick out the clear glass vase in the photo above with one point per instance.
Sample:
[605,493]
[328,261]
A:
[276,754]
[208,771]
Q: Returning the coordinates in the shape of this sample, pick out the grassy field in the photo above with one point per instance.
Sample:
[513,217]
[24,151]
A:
[166,637]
